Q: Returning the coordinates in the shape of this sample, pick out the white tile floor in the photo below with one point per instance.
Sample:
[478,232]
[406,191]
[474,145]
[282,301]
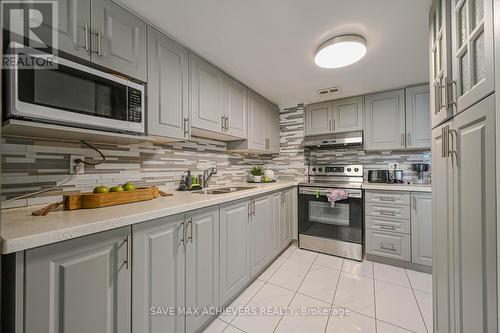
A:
[381,298]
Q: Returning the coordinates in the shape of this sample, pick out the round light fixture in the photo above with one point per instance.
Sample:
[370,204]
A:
[340,51]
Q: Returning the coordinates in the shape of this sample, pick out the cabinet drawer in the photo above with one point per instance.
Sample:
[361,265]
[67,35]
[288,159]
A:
[388,224]
[388,244]
[390,197]
[391,211]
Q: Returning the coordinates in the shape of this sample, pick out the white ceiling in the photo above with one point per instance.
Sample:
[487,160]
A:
[269,44]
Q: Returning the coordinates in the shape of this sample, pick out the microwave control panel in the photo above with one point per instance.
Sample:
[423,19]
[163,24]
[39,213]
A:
[134,105]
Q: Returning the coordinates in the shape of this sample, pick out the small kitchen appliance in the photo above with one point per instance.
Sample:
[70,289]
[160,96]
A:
[378,176]
[422,170]
[334,230]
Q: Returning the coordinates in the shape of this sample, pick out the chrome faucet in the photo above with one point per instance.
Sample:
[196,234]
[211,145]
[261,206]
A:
[207,175]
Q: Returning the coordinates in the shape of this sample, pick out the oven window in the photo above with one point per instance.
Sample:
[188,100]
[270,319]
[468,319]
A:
[73,90]
[323,212]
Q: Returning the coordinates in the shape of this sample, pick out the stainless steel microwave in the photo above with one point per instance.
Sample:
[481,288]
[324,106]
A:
[77,95]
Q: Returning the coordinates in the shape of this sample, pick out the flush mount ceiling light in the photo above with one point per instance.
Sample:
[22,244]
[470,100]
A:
[340,51]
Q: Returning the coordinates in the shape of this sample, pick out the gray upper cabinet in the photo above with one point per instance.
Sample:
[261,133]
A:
[235,109]
[207,97]
[81,285]
[418,127]
[318,119]
[257,118]
[472,51]
[234,248]
[385,121]
[158,274]
[168,112]
[440,61]
[119,39]
[273,129]
[348,115]
[421,228]
[259,235]
[202,265]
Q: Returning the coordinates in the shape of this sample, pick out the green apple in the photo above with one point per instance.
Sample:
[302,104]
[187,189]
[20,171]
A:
[101,189]
[116,189]
[128,186]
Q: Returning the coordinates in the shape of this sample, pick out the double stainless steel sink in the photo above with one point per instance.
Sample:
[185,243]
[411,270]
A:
[224,190]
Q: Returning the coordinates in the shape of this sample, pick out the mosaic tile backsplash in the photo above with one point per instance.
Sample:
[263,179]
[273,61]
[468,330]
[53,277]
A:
[30,165]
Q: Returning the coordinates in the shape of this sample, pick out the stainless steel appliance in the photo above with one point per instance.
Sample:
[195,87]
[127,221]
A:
[378,176]
[422,170]
[334,230]
[76,95]
[340,140]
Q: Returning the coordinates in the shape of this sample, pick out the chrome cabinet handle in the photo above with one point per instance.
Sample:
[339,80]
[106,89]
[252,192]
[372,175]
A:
[227,123]
[190,225]
[222,121]
[408,139]
[437,102]
[387,227]
[250,209]
[186,127]
[445,149]
[446,96]
[86,31]
[387,199]
[126,262]
[330,128]
[253,210]
[333,128]
[99,50]
[403,140]
[453,134]
[183,226]
[383,212]
[387,248]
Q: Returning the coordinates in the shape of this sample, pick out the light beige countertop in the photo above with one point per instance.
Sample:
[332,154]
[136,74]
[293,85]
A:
[398,187]
[19,230]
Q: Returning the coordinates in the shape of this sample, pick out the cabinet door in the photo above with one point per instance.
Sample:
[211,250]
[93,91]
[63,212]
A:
[207,95]
[348,115]
[167,114]
[440,70]
[257,118]
[475,218]
[234,248]
[418,127]
[318,119]
[79,286]
[202,265]
[73,28]
[273,129]
[158,275]
[442,235]
[259,235]
[421,228]
[235,109]
[119,39]
[286,219]
[385,121]
[275,219]
[473,53]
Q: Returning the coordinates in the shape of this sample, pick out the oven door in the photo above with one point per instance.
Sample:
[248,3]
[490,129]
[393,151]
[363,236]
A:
[77,95]
[343,221]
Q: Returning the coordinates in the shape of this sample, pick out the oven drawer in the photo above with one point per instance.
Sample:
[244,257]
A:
[388,224]
[390,197]
[391,211]
[388,244]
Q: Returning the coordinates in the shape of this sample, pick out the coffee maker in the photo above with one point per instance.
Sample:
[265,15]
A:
[422,170]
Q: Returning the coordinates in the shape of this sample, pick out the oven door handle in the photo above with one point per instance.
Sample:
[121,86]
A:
[324,191]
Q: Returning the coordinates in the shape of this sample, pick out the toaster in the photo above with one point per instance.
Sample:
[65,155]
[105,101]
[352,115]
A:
[378,176]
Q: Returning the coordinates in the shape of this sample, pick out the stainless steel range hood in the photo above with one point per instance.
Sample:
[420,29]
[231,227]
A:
[339,141]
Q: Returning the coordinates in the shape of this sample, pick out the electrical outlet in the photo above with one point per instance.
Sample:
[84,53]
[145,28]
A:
[72,164]
[391,166]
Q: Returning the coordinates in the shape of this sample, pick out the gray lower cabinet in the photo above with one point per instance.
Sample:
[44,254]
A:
[118,39]
[277,214]
[158,275]
[79,286]
[418,126]
[464,211]
[259,234]
[421,228]
[202,266]
[168,112]
[388,244]
[286,217]
[234,248]
[385,121]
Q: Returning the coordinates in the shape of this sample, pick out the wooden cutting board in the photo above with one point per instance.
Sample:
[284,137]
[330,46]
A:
[93,200]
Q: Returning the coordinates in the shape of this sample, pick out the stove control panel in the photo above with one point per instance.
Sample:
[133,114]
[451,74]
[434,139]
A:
[336,170]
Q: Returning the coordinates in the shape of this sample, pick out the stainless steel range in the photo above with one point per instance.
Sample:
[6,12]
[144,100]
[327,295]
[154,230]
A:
[334,230]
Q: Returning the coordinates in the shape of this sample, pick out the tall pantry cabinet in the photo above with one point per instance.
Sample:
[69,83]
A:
[463,163]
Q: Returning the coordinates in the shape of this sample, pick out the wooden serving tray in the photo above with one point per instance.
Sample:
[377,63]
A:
[92,200]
